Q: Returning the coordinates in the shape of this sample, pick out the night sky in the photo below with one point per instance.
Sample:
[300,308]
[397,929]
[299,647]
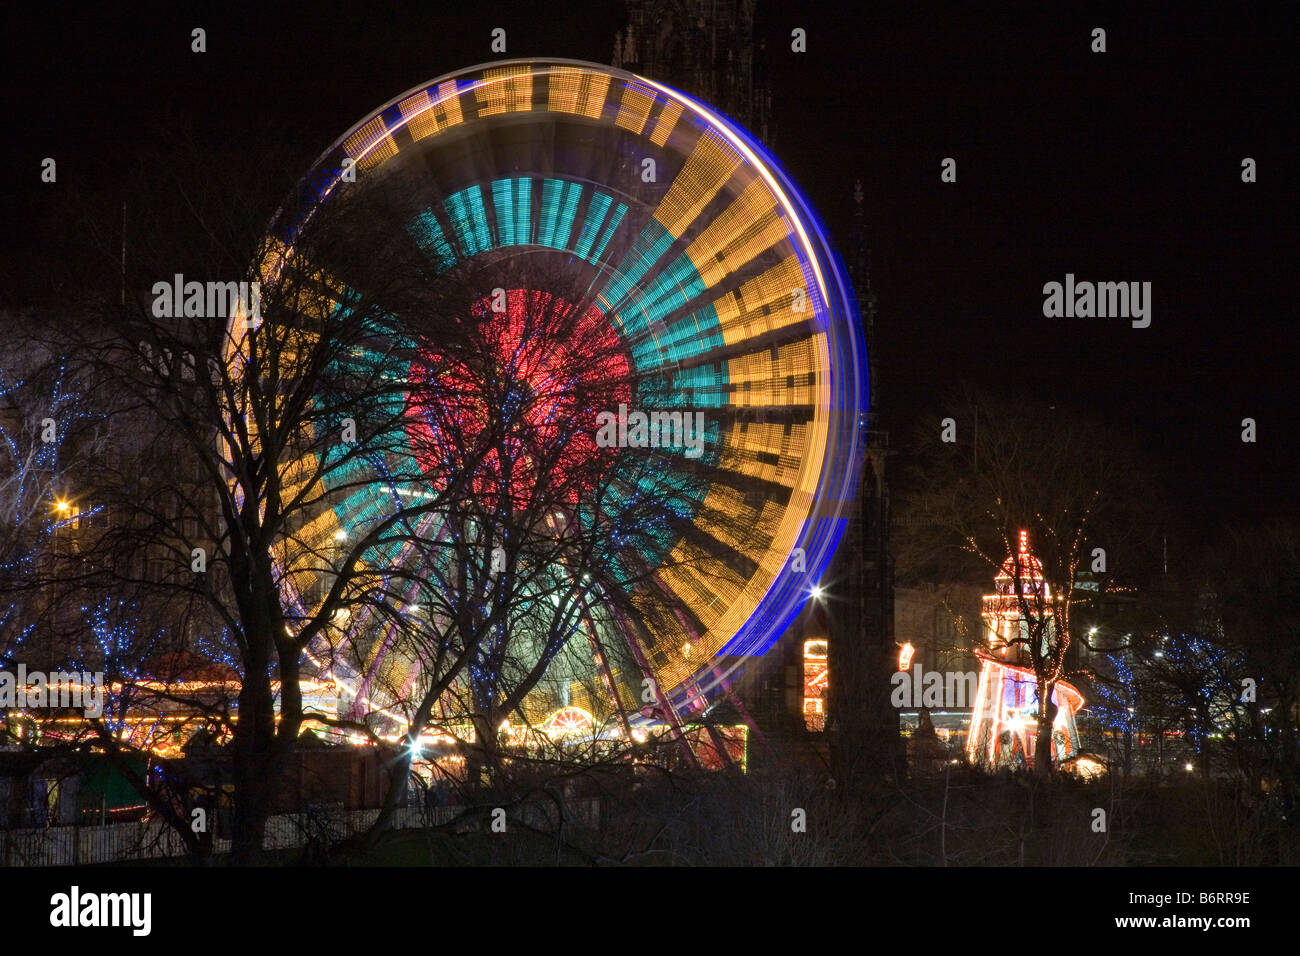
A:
[1116,167]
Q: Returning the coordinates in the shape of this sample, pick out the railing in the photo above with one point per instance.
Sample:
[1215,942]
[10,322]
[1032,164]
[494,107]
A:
[151,840]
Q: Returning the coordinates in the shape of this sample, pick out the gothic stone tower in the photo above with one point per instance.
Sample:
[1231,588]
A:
[862,725]
[707,49]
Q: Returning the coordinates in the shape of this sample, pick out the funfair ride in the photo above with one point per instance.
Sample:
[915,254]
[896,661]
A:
[1004,721]
[715,279]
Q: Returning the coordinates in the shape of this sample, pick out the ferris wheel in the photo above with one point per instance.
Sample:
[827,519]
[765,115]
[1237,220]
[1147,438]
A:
[712,283]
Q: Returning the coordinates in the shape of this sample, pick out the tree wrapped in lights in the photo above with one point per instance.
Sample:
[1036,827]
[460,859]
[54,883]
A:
[1116,699]
[55,440]
[1179,671]
[1198,677]
[50,436]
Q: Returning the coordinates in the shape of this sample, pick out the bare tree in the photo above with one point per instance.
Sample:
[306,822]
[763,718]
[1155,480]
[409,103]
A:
[320,474]
[1260,593]
[542,578]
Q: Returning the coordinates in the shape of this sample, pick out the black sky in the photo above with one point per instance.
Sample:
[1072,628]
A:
[1122,166]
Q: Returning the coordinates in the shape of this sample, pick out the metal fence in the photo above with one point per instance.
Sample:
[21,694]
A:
[146,840]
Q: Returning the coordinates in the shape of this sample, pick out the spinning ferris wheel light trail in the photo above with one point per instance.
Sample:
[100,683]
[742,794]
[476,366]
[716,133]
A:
[712,279]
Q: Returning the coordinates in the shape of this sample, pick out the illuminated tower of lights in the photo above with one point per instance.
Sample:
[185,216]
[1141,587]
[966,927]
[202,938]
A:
[1004,721]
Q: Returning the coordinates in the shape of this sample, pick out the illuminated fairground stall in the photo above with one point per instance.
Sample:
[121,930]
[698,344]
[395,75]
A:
[1004,721]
